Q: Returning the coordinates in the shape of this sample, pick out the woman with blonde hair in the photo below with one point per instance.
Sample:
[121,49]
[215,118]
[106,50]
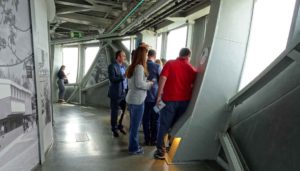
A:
[158,61]
[137,91]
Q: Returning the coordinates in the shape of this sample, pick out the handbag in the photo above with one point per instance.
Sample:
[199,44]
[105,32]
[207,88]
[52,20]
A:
[66,81]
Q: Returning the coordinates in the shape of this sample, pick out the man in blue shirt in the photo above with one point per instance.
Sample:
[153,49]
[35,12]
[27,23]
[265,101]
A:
[117,91]
[150,118]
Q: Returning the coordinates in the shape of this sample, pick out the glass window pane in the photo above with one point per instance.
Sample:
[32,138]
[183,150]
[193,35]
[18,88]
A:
[176,41]
[126,43]
[90,55]
[158,46]
[70,60]
[268,36]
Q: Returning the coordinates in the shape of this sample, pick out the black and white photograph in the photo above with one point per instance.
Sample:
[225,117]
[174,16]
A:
[42,70]
[18,126]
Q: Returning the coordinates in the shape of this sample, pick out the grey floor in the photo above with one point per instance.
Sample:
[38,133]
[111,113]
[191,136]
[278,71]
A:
[98,150]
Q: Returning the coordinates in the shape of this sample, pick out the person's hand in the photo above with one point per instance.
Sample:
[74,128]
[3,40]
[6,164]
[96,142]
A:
[151,83]
[158,100]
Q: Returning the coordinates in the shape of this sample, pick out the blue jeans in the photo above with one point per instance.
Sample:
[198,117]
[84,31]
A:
[61,87]
[168,117]
[136,115]
[150,123]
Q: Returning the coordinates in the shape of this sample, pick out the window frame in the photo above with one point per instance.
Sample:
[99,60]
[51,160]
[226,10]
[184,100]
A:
[78,62]
[167,37]
[84,60]
[244,83]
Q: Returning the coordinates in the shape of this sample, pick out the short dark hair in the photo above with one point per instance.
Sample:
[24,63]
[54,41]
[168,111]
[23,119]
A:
[185,52]
[151,52]
[118,53]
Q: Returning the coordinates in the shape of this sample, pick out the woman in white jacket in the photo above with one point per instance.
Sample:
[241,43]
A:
[137,91]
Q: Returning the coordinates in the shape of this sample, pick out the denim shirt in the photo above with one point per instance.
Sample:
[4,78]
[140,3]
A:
[123,70]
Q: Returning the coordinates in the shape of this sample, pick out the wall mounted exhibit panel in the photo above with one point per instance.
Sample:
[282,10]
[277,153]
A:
[42,66]
[19,149]
[221,80]
[265,127]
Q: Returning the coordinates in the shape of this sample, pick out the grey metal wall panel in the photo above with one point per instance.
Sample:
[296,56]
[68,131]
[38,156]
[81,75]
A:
[220,82]
[266,126]
[96,97]
[270,138]
[280,85]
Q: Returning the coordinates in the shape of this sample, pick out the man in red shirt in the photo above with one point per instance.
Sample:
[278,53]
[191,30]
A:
[175,90]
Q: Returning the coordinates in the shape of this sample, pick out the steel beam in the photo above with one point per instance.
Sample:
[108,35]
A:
[157,6]
[99,8]
[108,3]
[71,10]
[84,19]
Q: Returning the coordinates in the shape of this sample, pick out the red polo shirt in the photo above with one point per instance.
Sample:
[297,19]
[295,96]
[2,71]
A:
[180,80]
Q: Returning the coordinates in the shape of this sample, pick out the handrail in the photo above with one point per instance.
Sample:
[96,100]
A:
[233,159]
[102,83]
[287,57]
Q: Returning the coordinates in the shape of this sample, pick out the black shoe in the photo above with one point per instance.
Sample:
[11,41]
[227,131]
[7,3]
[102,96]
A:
[122,131]
[159,155]
[168,149]
[115,134]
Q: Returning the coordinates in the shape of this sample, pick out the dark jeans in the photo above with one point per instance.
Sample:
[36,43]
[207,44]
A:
[136,115]
[168,117]
[115,104]
[150,123]
[61,87]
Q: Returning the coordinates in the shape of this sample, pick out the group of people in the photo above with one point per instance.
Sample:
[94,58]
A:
[144,85]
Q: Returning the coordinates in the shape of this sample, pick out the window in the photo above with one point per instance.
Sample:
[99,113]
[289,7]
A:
[158,46]
[176,41]
[70,60]
[268,36]
[126,43]
[90,55]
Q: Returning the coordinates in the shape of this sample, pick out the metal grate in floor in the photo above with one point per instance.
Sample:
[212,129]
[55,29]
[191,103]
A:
[81,137]
[87,114]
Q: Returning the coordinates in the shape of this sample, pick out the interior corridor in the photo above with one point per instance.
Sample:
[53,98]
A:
[83,141]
